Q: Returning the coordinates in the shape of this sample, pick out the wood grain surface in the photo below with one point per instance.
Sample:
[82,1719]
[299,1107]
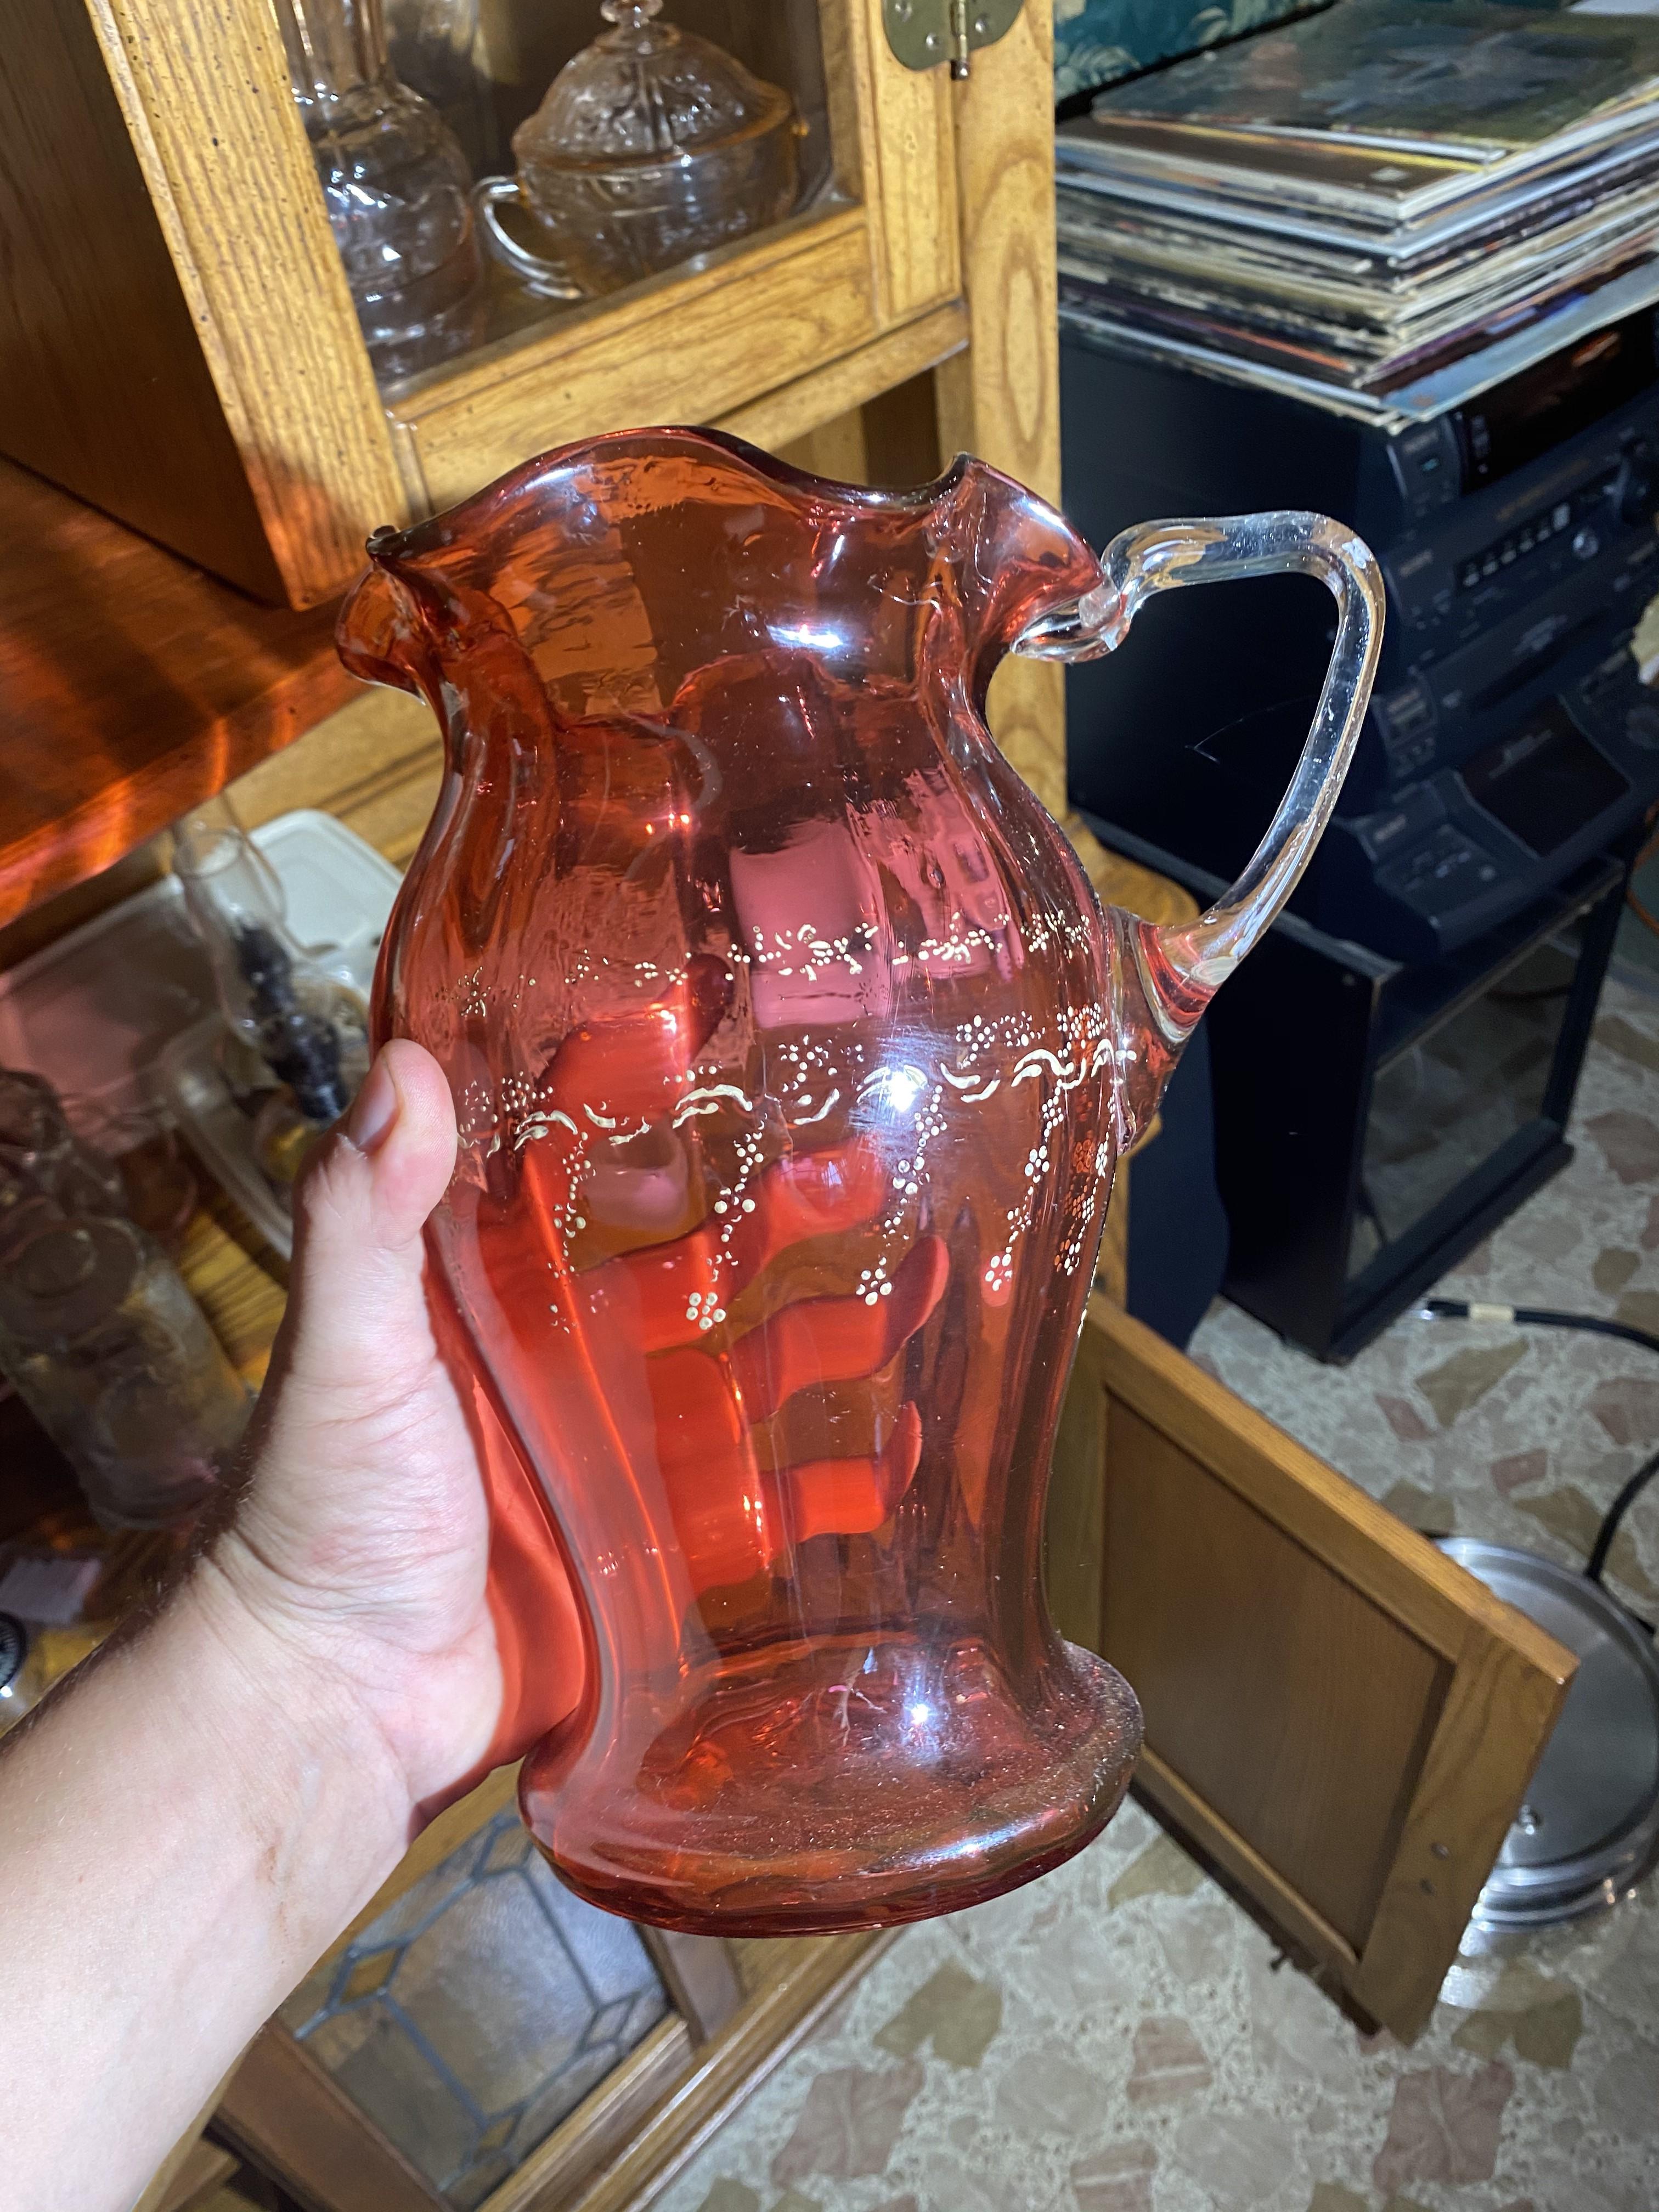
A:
[701,1974]
[811,1976]
[203,90]
[681,348]
[861,377]
[552,2176]
[1501,1707]
[202,2174]
[192,2169]
[240,1282]
[891,128]
[1000,398]
[286,2115]
[1344,1720]
[1299,1710]
[132,686]
[104,387]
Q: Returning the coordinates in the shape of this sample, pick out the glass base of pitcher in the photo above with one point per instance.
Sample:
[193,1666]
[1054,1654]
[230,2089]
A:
[856,1785]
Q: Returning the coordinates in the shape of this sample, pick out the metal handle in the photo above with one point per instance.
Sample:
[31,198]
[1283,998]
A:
[1187,961]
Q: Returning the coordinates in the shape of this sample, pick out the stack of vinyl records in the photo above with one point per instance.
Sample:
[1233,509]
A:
[1387,207]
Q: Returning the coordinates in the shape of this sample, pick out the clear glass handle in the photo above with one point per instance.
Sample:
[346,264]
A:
[1187,961]
[549,278]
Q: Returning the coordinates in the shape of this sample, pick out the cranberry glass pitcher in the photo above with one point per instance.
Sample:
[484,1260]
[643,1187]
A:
[792,1053]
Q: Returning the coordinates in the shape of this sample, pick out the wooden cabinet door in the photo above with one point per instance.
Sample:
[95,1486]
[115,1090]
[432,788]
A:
[181,347]
[1341,1718]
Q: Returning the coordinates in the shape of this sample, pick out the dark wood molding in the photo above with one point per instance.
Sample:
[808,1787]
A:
[282,2111]
[701,1975]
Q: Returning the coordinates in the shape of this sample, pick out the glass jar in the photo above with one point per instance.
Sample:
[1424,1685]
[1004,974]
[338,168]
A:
[396,183]
[98,1331]
[42,1156]
[651,146]
[116,1361]
[430,42]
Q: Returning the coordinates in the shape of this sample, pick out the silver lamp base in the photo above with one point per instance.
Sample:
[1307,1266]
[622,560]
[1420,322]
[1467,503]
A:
[1589,1830]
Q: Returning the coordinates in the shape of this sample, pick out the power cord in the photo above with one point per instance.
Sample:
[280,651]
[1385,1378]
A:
[1592,1325]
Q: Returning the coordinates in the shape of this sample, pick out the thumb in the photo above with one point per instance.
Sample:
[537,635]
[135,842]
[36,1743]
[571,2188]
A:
[359,1211]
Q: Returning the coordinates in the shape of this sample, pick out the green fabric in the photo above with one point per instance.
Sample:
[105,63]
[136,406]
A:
[1099,41]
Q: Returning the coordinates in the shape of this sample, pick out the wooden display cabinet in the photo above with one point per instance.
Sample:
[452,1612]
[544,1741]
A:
[181,347]
[177,347]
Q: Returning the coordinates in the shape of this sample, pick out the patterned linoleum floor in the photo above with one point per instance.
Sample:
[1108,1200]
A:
[1118,2038]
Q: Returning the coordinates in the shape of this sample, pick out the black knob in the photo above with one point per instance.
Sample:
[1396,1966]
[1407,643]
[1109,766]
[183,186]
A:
[1633,492]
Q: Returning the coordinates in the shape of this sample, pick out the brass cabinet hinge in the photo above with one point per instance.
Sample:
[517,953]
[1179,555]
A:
[924,32]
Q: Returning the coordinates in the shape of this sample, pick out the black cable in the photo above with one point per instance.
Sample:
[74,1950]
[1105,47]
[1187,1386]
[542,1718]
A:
[1615,1513]
[1592,1325]
[1538,1317]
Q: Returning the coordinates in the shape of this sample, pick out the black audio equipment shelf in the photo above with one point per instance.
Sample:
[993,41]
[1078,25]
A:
[1393,1069]
[1374,1119]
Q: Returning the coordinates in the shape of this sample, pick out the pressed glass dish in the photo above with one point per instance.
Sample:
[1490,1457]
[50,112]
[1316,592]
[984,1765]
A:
[651,146]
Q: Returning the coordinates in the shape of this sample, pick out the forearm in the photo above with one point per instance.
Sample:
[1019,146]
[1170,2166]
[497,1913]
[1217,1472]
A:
[182,1834]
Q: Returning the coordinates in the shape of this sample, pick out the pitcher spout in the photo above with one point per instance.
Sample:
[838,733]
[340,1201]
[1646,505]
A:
[410,624]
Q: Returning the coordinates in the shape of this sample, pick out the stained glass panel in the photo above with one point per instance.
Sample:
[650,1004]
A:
[473,2015]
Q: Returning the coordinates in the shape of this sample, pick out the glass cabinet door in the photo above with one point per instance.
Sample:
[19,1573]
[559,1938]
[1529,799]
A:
[689,207]
[807,238]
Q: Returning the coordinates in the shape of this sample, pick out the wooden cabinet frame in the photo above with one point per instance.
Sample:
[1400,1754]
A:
[178,349]
[1341,1718]
[175,119]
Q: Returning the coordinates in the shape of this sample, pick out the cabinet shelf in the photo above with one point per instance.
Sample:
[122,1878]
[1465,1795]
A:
[133,685]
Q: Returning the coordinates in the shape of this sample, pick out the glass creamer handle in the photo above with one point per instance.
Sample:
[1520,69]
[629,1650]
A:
[1186,961]
[550,278]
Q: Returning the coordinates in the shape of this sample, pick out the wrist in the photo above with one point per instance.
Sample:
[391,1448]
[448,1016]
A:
[284,1709]
[187,1823]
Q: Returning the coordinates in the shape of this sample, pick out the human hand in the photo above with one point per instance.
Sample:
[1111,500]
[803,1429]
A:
[224,1785]
[358,1551]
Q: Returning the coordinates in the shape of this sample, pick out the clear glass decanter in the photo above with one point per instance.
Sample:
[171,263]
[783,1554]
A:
[396,182]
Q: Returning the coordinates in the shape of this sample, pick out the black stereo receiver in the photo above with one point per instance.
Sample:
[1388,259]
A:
[1509,735]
